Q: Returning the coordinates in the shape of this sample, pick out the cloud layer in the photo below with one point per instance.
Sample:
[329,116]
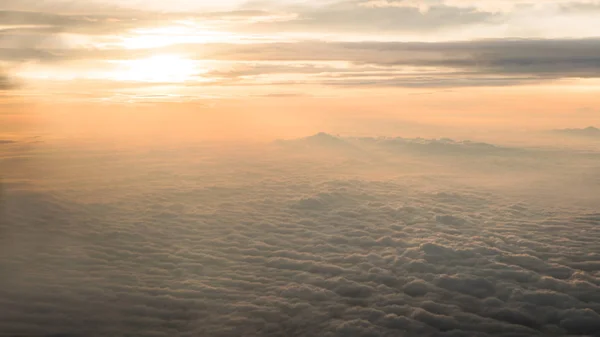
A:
[488,43]
[326,236]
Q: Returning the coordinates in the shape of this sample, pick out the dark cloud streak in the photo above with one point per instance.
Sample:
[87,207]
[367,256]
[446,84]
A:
[449,64]
[7,82]
[352,17]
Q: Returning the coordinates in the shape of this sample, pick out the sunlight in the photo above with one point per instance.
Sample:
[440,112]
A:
[158,68]
[165,36]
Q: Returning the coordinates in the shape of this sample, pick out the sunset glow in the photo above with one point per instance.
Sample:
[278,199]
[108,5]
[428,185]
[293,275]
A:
[300,168]
[159,68]
[390,56]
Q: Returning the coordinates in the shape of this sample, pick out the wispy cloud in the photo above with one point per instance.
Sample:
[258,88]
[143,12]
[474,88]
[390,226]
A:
[444,64]
[389,43]
[7,82]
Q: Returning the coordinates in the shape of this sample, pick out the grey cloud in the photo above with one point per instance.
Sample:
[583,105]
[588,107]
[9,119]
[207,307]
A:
[444,147]
[443,65]
[7,82]
[122,248]
[580,7]
[352,17]
[449,64]
[532,57]
[4,82]
[370,76]
[435,82]
[584,321]
[94,24]
[590,131]
[115,21]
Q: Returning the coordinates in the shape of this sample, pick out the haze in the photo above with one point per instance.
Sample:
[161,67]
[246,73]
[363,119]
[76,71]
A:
[300,168]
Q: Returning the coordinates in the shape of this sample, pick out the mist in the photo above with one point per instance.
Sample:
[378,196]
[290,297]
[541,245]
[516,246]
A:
[339,168]
[322,235]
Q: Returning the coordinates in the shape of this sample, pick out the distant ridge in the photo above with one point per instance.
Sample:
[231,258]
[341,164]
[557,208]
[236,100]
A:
[419,145]
[590,131]
[321,139]
[324,138]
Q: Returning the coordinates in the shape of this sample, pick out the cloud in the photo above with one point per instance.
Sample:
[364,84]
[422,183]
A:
[348,17]
[114,21]
[381,64]
[571,57]
[243,57]
[286,242]
[579,6]
[422,6]
[435,19]
[7,82]
[590,131]
[367,17]
[492,6]
[86,23]
[444,147]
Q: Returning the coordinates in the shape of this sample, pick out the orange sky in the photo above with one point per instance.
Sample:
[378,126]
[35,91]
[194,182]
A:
[287,68]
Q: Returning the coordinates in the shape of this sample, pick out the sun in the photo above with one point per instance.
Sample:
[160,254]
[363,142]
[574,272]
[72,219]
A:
[158,68]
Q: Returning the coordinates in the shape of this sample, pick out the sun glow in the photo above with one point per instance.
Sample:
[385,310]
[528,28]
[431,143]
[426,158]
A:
[159,68]
[165,36]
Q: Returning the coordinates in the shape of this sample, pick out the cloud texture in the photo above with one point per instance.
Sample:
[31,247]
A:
[323,236]
[366,43]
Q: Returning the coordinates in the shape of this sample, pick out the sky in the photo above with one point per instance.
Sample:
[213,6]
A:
[268,168]
[287,67]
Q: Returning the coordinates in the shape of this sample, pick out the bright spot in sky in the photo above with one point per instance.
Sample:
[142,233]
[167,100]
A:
[158,68]
[183,33]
